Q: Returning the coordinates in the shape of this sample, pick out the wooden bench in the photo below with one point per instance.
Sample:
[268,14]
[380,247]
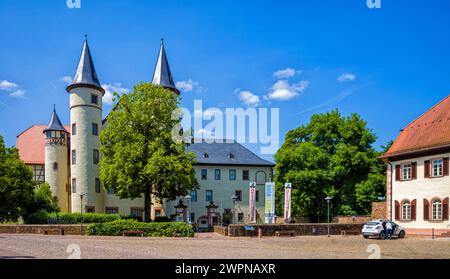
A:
[54,231]
[128,233]
[285,233]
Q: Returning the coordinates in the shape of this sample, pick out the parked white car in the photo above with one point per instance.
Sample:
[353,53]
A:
[377,229]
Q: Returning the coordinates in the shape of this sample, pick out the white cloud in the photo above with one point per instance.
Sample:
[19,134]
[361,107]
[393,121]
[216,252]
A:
[18,94]
[346,77]
[66,79]
[249,98]
[186,85]
[286,73]
[283,91]
[7,85]
[110,88]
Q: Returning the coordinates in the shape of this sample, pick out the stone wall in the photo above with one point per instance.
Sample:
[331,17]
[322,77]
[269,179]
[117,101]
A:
[300,229]
[379,210]
[221,230]
[40,229]
[352,219]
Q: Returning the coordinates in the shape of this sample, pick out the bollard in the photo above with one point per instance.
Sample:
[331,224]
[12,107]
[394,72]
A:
[260,232]
[432,234]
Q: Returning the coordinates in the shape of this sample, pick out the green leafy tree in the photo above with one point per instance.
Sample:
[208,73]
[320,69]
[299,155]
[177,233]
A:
[16,184]
[139,155]
[330,156]
[43,199]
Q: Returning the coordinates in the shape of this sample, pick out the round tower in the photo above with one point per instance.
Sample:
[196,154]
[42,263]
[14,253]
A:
[56,161]
[86,124]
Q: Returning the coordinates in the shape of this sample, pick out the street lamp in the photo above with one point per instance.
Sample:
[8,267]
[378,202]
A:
[81,210]
[234,198]
[328,199]
[188,198]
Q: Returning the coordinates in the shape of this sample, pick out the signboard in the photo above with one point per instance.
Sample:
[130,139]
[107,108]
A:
[270,203]
[287,202]
[252,204]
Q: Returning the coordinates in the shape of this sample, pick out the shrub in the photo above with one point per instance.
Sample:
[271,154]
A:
[117,227]
[42,217]
[39,217]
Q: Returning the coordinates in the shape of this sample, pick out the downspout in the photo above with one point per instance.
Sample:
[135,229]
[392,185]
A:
[390,191]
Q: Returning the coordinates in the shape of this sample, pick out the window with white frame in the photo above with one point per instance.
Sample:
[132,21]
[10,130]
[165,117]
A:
[437,168]
[406,211]
[436,210]
[406,172]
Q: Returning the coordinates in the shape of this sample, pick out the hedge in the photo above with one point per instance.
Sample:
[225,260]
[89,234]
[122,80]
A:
[42,217]
[167,229]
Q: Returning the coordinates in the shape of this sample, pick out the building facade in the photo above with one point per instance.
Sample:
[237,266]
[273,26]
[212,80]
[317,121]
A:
[418,181]
[67,157]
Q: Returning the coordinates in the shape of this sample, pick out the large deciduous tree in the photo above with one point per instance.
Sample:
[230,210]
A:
[139,156]
[330,156]
[16,184]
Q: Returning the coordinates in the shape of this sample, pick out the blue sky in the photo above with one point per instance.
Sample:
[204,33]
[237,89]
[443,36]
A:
[389,65]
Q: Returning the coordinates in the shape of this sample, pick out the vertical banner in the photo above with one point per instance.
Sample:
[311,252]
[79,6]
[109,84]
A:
[270,203]
[252,203]
[287,202]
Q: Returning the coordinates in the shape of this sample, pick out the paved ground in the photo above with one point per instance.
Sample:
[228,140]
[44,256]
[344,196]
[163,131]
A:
[218,247]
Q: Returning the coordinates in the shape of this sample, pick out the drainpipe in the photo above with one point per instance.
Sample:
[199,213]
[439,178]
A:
[391,194]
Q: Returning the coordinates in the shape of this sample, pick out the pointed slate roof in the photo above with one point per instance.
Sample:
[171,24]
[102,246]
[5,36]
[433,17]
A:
[55,124]
[162,75]
[86,76]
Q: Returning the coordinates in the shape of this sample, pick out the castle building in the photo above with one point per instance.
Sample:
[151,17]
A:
[418,181]
[67,158]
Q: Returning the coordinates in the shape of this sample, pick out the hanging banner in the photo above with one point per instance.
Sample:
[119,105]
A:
[252,203]
[287,202]
[270,203]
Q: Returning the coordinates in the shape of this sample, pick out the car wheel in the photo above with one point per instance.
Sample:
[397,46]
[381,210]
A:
[401,234]
[382,235]
[366,236]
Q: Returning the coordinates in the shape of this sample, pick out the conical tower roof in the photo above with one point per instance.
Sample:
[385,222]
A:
[55,124]
[86,76]
[162,75]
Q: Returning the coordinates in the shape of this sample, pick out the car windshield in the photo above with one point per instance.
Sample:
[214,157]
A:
[373,223]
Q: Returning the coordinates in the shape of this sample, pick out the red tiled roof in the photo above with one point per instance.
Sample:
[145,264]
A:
[31,144]
[431,130]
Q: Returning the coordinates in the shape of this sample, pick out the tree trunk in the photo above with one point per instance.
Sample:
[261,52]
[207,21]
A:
[148,205]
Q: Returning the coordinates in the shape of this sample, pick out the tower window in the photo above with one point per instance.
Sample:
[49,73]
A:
[97,186]
[96,157]
[48,134]
[74,129]
[94,99]
[74,157]
[74,185]
[94,129]
[55,166]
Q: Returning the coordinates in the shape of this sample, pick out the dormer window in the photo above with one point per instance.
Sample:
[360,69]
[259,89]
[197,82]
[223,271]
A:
[231,156]
[205,155]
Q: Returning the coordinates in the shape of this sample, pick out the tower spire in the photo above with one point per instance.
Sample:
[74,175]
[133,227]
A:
[55,124]
[86,76]
[162,75]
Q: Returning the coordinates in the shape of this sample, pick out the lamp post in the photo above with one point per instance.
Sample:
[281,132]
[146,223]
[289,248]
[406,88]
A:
[328,199]
[81,211]
[234,198]
[188,198]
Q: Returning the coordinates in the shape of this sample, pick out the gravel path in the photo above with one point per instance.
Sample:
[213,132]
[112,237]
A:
[218,247]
